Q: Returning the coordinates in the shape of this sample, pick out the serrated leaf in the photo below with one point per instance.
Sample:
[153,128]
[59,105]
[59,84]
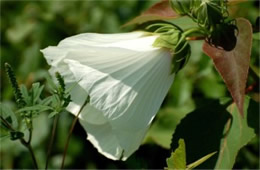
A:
[216,128]
[159,11]
[178,157]
[200,161]
[233,65]
[238,134]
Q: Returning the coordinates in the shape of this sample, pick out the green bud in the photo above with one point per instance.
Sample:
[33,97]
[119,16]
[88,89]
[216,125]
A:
[60,81]
[17,92]
[182,7]
[168,41]
[181,54]
[208,15]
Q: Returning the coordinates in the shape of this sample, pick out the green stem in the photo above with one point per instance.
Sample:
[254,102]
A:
[54,127]
[70,133]
[195,30]
[30,130]
[26,144]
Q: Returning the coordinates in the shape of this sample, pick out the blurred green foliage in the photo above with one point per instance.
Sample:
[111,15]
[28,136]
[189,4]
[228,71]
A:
[28,26]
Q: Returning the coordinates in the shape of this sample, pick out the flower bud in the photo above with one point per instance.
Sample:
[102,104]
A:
[182,7]
[181,54]
[208,14]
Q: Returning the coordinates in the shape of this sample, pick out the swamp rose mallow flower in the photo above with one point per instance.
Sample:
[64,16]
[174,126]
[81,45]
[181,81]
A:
[125,76]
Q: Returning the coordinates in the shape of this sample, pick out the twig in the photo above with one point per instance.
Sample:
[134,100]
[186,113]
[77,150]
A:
[54,127]
[7,124]
[70,133]
[26,144]
[29,147]
[30,129]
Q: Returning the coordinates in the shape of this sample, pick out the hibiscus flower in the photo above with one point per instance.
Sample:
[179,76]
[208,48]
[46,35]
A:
[126,78]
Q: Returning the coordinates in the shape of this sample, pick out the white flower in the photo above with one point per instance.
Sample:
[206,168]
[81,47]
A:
[126,78]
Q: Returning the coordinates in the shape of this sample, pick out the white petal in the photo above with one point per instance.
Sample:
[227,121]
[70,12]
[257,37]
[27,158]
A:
[78,97]
[123,40]
[127,80]
[128,95]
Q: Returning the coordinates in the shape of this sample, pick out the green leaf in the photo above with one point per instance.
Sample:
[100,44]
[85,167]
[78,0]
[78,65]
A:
[50,82]
[55,101]
[38,108]
[200,161]
[46,101]
[9,116]
[10,123]
[238,133]
[25,94]
[36,92]
[159,11]
[33,96]
[178,157]
[216,127]
[233,65]
[52,114]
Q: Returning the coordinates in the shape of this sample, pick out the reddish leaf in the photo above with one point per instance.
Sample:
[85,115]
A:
[233,65]
[159,11]
[234,2]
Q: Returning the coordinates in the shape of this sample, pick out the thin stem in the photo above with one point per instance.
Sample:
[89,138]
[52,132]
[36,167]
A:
[30,132]
[6,123]
[29,147]
[54,127]
[26,144]
[195,30]
[70,133]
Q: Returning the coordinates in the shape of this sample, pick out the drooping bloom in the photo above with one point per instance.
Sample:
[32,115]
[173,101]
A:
[126,78]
